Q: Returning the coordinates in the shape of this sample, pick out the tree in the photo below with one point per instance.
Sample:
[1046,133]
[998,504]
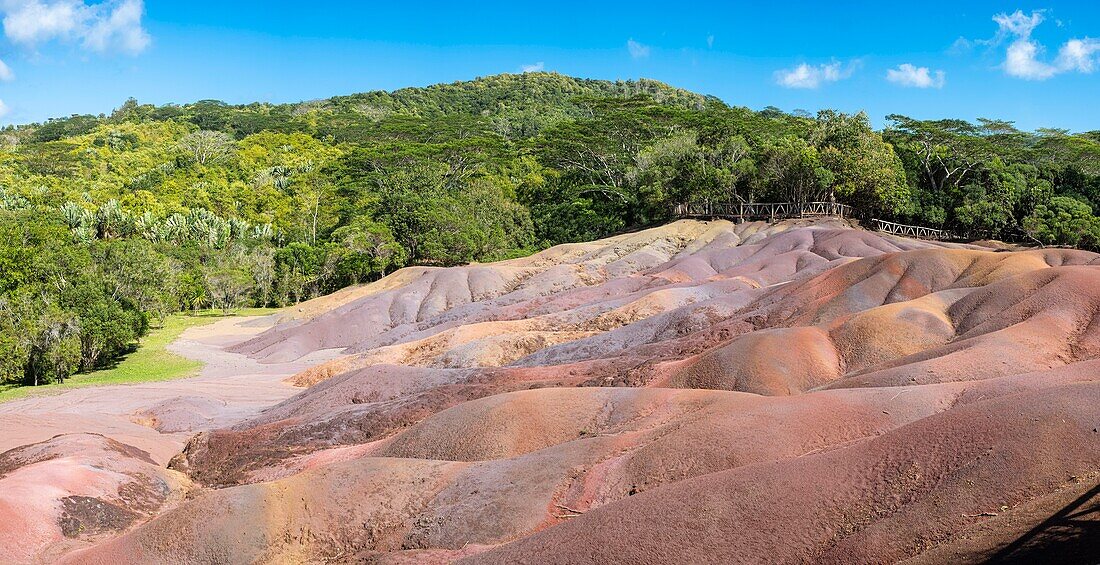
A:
[368,248]
[207,147]
[866,172]
[190,289]
[111,222]
[995,203]
[53,346]
[503,226]
[227,285]
[596,155]
[14,345]
[132,270]
[1064,221]
[793,171]
[297,271]
[679,168]
[945,152]
[669,171]
[314,196]
[731,162]
[261,263]
[107,327]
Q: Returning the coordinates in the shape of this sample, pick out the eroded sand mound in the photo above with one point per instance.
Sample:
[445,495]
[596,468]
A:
[699,392]
[74,489]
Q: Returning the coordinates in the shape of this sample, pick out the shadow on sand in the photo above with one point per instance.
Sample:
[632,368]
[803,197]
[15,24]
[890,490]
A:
[1072,535]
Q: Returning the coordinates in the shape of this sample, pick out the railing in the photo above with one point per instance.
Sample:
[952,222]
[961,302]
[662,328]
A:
[763,210]
[772,211]
[919,232]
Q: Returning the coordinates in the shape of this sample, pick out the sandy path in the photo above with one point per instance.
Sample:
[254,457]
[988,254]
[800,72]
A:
[228,388]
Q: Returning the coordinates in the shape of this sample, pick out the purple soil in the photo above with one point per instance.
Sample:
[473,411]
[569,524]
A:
[699,392]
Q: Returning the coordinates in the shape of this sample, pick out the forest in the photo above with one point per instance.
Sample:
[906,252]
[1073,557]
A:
[108,223]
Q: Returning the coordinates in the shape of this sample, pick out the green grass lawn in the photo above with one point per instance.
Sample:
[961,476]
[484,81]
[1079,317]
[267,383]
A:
[151,361]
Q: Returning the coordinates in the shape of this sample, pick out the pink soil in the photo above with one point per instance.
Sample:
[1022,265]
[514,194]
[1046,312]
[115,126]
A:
[104,449]
[698,392]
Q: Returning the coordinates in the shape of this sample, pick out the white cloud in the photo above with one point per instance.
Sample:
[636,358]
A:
[534,68]
[1017,23]
[121,28]
[6,74]
[1023,56]
[31,22]
[809,76]
[1077,55]
[637,50]
[100,27]
[710,41]
[960,46]
[1021,60]
[4,109]
[916,77]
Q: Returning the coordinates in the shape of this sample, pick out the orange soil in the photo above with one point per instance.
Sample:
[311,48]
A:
[699,392]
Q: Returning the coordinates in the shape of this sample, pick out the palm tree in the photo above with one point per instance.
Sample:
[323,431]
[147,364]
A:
[146,226]
[111,221]
[263,232]
[239,229]
[175,228]
[75,216]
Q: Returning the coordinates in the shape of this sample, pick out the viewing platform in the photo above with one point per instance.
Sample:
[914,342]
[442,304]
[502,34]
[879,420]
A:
[771,211]
[774,211]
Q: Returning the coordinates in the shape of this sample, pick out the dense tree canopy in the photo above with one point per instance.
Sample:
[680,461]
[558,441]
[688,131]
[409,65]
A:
[107,223]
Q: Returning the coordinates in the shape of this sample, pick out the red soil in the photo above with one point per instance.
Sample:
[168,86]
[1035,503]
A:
[701,392]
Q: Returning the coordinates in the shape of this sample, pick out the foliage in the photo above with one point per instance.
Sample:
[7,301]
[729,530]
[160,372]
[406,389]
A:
[109,224]
[1064,220]
[864,170]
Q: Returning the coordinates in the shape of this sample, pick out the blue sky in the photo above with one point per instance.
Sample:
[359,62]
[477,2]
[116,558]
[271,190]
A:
[1036,64]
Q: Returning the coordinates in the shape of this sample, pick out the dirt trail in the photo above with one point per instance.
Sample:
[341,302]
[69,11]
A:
[229,388]
[82,466]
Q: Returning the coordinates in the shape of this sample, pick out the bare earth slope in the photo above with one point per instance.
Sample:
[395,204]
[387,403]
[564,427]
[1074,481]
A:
[699,392]
[89,463]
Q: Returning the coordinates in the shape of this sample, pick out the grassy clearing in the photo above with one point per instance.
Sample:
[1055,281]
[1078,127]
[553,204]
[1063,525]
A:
[151,361]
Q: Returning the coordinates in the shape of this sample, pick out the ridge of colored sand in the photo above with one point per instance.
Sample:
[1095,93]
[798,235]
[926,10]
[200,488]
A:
[695,392]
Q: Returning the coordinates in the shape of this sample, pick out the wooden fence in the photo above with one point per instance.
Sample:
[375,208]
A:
[763,210]
[772,211]
[918,232]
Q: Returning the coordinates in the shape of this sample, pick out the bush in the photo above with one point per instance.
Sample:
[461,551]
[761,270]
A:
[1064,221]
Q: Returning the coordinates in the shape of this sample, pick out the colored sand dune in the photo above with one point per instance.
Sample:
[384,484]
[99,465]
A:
[698,392]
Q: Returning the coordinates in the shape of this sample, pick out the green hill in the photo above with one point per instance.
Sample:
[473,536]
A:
[107,222]
[537,99]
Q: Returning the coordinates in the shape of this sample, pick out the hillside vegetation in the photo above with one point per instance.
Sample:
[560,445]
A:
[109,223]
